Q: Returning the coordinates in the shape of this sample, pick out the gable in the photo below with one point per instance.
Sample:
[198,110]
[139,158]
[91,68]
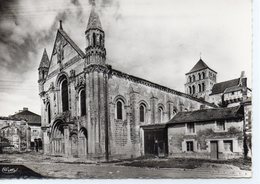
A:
[64,49]
[222,86]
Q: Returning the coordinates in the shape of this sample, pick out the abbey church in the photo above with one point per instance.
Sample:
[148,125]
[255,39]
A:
[91,110]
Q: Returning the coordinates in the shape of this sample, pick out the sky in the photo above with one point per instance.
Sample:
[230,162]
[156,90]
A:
[156,40]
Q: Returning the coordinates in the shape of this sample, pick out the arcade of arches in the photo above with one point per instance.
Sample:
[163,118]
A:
[62,142]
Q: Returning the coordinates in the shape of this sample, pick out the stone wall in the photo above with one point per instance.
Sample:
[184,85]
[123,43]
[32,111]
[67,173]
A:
[204,133]
[133,92]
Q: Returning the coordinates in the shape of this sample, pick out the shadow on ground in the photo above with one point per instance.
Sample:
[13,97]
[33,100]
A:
[17,171]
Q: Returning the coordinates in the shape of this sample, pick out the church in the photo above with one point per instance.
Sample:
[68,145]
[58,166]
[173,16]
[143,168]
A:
[92,110]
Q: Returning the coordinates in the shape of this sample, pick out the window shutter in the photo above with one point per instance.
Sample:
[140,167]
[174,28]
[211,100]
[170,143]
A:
[183,145]
[235,146]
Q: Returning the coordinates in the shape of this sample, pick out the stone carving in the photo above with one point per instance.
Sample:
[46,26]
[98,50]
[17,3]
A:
[80,82]
[60,49]
[72,73]
[97,68]
[51,88]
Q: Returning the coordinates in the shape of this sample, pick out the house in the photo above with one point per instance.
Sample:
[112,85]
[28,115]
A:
[215,133]
[230,93]
[208,133]
[15,134]
[34,122]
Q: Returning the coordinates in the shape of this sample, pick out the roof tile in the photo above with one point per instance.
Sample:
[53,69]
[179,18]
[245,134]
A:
[205,115]
[222,86]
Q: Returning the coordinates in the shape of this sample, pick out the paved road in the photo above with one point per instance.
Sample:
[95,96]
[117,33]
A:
[61,167]
[112,171]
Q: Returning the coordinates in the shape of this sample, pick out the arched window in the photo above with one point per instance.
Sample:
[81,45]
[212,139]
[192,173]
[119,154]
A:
[100,40]
[174,112]
[160,114]
[49,113]
[119,109]
[42,74]
[64,95]
[199,76]
[193,78]
[88,42]
[94,39]
[82,102]
[199,88]
[190,90]
[193,89]
[203,86]
[203,75]
[189,79]
[142,112]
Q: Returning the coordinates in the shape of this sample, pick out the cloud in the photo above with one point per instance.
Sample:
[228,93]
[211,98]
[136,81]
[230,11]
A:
[158,41]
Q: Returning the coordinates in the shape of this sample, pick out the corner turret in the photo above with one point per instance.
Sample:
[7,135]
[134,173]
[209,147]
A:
[95,37]
[44,66]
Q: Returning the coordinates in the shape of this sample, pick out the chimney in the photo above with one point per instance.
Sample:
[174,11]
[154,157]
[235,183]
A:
[25,109]
[242,74]
[242,80]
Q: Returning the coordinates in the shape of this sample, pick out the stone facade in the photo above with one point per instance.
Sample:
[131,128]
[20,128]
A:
[220,138]
[200,80]
[34,122]
[15,134]
[93,111]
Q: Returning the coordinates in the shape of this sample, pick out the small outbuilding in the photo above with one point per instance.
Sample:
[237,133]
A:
[207,133]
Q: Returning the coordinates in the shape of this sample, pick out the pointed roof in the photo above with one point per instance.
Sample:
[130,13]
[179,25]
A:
[45,60]
[222,86]
[200,65]
[94,21]
[31,117]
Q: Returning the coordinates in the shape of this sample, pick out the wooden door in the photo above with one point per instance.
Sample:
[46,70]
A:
[155,142]
[214,149]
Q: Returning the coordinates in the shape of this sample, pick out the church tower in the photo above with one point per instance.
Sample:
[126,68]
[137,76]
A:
[96,75]
[43,69]
[200,80]
[95,37]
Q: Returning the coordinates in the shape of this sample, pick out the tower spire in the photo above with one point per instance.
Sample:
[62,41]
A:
[92,2]
[61,24]
[95,37]
[94,21]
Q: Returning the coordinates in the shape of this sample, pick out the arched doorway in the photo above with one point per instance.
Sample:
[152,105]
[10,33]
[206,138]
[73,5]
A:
[83,142]
[74,144]
[57,141]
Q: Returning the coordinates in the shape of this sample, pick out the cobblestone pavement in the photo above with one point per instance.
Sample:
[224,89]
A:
[60,167]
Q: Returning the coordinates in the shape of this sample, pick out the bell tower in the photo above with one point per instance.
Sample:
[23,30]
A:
[200,80]
[95,37]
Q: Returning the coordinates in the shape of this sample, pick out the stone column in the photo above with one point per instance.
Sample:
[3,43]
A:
[153,109]
[46,141]
[66,140]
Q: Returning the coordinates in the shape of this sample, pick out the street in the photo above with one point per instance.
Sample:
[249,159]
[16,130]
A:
[60,167]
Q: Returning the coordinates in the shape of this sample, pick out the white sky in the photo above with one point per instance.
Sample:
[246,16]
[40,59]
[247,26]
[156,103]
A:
[156,40]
